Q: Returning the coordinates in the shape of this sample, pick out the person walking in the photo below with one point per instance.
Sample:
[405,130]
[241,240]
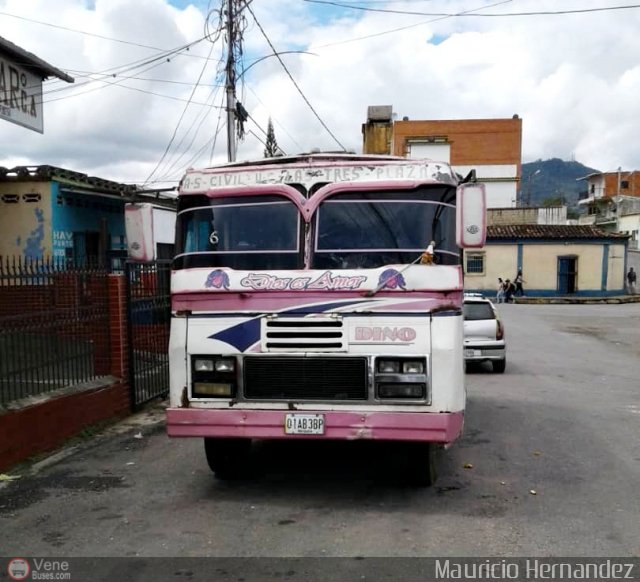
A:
[500,291]
[631,281]
[519,281]
[509,289]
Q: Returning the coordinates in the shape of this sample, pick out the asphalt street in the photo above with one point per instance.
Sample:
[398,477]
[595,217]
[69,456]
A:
[549,466]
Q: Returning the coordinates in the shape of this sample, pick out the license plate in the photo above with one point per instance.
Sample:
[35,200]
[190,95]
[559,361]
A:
[304,424]
[472,353]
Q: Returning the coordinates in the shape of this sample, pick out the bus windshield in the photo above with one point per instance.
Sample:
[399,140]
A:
[368,230]
[256,233]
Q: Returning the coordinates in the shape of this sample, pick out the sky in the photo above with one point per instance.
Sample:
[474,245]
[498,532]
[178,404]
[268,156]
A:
[140,114]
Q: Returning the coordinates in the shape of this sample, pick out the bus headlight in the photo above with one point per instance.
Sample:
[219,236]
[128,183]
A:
[204,389]
[401,390]
[401,378]
[388,366]
[225,365]
[413,367]
[203,365]
[214,377]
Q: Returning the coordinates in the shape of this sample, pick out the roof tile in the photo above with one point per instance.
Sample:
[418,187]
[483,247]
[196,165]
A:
[549,231]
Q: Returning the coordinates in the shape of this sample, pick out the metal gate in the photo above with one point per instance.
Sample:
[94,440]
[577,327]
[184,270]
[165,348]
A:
[149,318]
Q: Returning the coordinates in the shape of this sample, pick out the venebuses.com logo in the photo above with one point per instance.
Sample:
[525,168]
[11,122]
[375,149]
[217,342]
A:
[18,569]
[38,569]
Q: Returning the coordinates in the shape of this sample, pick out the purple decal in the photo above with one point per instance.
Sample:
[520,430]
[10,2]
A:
[217,279]
[392,279]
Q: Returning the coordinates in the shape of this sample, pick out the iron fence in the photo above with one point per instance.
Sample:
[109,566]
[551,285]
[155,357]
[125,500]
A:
[54,332]
[149,314]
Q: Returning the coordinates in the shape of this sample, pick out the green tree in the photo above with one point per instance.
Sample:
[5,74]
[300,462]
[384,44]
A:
[554,201]
[271,150]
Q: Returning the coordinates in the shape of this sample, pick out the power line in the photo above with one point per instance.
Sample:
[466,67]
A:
[105,84]
[87,75]
[84,32]
[121,86]
[263,131]
[175,131]
[212,141]
[293,139]
[133,65]
[447,14]
[198,122]
[219,127]
[198,118]
[254,134]
[275,52]
[125,68]
[414,25]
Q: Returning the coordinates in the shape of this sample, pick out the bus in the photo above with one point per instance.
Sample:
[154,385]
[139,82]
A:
[319,296]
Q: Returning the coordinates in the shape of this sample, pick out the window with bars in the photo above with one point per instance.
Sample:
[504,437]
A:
[475,263]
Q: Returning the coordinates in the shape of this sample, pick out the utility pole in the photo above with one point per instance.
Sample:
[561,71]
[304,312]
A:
[231,84]
[619,180]
[531,177]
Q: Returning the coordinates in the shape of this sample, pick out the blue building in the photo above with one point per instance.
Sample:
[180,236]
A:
[52,212]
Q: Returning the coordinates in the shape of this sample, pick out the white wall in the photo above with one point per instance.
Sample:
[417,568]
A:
[440,152]
[502,193]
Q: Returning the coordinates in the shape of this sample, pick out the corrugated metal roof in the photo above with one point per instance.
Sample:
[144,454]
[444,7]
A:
[79,182]
[549,231]
[31,61]
[44,173]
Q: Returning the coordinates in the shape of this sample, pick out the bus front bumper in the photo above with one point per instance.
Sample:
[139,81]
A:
[441,427]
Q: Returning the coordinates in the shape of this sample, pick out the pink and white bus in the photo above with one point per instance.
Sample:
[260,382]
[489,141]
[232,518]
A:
[320,297]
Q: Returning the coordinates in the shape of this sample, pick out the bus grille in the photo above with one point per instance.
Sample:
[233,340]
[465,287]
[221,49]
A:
[303,335]
[304,378]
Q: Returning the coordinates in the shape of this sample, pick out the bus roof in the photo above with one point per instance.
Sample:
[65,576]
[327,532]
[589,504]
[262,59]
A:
[310,169]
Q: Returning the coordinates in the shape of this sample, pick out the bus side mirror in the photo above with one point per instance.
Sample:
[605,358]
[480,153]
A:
[471,216]
[138,222]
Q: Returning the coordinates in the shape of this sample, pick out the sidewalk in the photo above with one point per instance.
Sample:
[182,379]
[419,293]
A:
[578,300]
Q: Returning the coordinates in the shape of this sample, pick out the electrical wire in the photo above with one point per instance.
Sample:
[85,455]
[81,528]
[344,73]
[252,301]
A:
[137,89]
[192,162]
[87,75]
[282,127]
[219,127]
[175,131]
[275,52]
[198,122]
[414,25]
[84,32]
[105,82]
[412,13]
[205,112]
[254,134]
[265,133]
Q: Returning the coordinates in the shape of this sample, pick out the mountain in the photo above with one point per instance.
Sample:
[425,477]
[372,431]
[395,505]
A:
[553,181]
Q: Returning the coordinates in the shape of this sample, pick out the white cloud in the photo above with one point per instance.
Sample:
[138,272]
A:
[574,79]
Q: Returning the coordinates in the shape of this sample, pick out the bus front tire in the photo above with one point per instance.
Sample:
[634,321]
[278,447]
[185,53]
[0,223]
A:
[422,464]
[229,459]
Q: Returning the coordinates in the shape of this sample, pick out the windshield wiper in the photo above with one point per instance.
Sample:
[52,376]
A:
[425,257]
